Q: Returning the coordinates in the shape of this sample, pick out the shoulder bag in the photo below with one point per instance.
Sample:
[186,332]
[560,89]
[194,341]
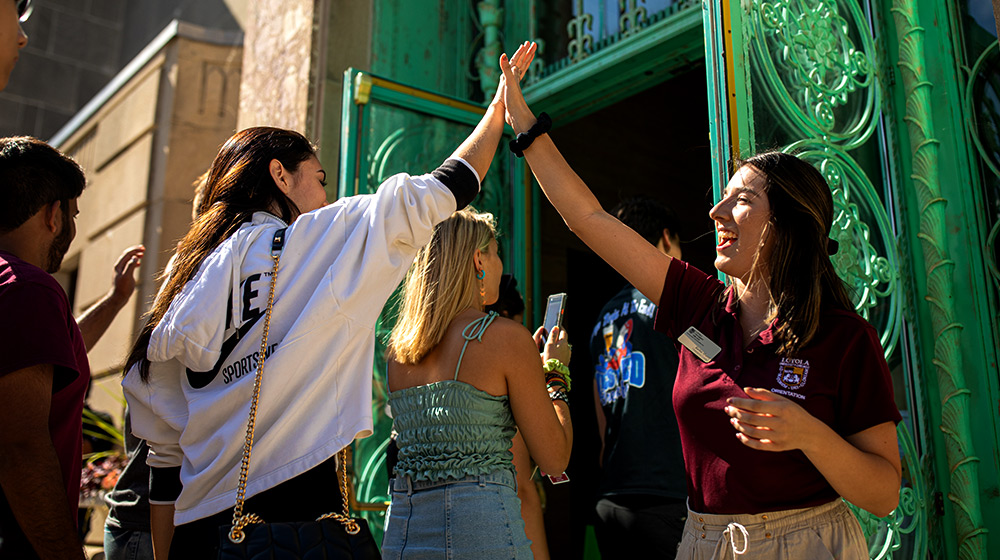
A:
[331,536]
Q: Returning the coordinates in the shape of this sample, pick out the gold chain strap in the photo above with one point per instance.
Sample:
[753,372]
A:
[345,519]
[240,520]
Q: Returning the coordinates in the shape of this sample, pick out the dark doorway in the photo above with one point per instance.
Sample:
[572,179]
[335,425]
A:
[654,143]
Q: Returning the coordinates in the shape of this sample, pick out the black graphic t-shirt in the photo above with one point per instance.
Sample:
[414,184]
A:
[635,367]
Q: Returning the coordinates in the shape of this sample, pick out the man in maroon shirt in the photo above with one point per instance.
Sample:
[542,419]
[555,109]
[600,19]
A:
[44,370]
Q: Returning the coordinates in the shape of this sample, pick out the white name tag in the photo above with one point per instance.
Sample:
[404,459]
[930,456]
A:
[699,344]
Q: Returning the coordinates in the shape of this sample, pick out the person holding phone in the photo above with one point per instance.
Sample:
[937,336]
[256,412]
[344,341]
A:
[461,382]
[783,397]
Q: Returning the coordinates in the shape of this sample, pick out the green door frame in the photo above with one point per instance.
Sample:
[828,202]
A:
[941,205]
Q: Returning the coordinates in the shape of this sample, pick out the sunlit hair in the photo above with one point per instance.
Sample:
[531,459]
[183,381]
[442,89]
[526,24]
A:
[239,183]
[199,204]
[441,284]
[800,277]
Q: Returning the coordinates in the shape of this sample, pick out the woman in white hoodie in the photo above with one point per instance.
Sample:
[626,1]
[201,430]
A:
[191,372]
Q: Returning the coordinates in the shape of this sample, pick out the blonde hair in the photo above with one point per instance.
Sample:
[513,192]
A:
[441,284]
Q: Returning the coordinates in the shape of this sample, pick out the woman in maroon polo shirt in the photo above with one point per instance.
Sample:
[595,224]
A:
[783,396]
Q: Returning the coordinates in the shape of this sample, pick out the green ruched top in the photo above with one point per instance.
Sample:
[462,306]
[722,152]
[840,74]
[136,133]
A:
[450,429]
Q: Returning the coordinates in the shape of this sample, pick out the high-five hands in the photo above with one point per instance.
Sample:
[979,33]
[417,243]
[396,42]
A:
[522,59]
[518,115]
[771,422]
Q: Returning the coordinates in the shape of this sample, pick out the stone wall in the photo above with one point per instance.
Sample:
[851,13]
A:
[141,152]
[277,63]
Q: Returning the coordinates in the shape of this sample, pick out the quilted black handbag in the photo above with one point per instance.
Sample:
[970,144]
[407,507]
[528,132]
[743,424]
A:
[311,540]
[333,536]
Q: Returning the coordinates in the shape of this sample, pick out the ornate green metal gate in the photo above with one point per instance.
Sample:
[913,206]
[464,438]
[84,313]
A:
[809,77]
[390,128]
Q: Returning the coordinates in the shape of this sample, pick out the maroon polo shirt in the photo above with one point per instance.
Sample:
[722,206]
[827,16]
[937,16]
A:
[36,327]
[841,378]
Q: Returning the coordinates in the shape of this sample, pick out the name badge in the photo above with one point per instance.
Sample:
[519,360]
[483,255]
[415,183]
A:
[699,344]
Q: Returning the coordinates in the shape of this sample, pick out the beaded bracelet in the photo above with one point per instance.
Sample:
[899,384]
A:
[559,395]
[556,387]
[557,380]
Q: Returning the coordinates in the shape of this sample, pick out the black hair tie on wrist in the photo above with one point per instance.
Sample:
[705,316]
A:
[523,140]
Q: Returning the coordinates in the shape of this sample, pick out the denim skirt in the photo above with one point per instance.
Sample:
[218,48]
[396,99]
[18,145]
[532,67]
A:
[476,517]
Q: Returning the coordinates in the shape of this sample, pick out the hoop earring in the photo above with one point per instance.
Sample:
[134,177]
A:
[480,274]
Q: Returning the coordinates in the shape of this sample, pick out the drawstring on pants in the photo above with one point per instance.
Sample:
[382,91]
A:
[730,531]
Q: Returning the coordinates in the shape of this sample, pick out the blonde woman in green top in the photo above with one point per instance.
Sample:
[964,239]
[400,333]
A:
[461,382]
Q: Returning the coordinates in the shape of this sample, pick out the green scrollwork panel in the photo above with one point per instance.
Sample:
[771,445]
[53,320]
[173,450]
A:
[867,259]
[982,108]
[813,59]
[812,88]
[885,534]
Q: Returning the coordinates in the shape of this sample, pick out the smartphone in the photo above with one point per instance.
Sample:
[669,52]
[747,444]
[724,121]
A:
[557,478]
[554,312]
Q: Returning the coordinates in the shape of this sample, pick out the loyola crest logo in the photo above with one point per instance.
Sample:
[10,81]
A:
[792,373]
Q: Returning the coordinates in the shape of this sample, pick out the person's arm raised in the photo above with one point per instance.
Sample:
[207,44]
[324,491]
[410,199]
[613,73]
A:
[480,147]
[632,256]
[94,322]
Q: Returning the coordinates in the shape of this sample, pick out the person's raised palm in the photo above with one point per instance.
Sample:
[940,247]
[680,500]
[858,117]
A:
[522,57]
[518,115]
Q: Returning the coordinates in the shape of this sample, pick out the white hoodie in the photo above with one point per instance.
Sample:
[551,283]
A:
[339,266]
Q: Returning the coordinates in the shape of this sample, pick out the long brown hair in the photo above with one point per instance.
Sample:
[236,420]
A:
[238,184]
[800,275]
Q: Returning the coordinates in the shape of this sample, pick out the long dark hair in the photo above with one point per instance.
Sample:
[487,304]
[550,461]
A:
[801,277]
[239,183]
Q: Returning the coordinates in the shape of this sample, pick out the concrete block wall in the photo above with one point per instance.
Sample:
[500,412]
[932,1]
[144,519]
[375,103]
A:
[73,49]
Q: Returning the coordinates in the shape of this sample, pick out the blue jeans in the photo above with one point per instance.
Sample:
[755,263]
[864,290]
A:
[123,544]
[474,517]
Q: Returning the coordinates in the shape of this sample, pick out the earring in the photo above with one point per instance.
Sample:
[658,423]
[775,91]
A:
[481,275]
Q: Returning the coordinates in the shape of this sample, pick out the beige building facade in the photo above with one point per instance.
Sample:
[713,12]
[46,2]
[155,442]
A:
[142,142]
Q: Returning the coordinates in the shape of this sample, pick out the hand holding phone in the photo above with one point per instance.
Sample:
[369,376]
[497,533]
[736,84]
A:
[554,312]
[551,338]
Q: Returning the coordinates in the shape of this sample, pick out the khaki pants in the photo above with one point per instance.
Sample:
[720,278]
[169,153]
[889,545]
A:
[824,532]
